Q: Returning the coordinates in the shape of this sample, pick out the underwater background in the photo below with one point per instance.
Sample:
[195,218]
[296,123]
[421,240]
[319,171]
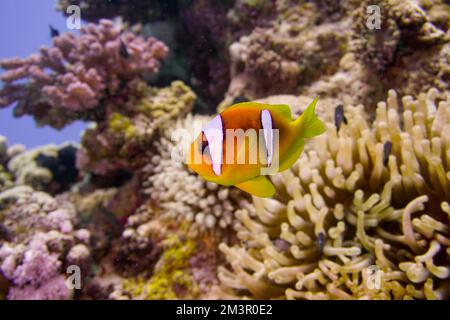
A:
[95,204]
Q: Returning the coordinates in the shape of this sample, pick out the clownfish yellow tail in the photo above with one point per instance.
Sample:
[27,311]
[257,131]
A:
[308,123]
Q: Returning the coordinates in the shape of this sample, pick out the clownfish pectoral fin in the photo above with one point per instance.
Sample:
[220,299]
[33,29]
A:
[292,155]
[259,186]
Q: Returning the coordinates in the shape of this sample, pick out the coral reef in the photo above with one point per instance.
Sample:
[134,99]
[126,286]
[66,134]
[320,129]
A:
[246,15]
[5,176]
[48,168]
[314,48]
[408,52]
[295,48]
[363,214]
[201,62]
[179,193]
[182,268]
[169,279]
[124,138]
[39,240]
[80,77]
[208,54]
[363,195]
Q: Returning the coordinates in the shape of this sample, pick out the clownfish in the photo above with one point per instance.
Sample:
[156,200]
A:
[250,140]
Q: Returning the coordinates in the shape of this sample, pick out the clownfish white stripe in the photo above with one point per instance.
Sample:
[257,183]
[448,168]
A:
[266,120]
[214,135]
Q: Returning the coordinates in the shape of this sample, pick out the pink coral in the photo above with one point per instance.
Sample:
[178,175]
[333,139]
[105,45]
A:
[42,242]
[78,73]
[38,264]
[54,289]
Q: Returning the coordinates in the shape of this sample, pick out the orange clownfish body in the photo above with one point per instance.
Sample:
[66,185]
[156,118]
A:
[249,140]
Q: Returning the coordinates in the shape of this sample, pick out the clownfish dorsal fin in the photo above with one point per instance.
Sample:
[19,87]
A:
[259,187]
[281,109]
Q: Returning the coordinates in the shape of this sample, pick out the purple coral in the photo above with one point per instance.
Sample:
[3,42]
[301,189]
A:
[38,264]
[54,289]
[78,72]
[42,243]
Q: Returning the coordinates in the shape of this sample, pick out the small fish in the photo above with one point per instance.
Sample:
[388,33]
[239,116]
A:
[321,241]
[53,32]
[210,158]
[387,148]
[339,116]
[123,50]
[239,99]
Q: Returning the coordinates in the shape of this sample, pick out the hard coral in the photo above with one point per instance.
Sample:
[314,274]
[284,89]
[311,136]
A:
[208,52]
[246,15]
[315,48]
[124,138]
[72,79]
[51,168]
[294,49]
[140,245]
[5,176]
[180,194]
[363,198]
[171,278]
[39,241]
[407,52]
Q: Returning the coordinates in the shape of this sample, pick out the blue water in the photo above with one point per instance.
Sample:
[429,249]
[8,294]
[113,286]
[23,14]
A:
[24,28]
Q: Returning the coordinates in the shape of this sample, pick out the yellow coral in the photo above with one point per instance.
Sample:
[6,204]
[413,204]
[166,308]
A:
[122,124]
[171,274]
[167,102]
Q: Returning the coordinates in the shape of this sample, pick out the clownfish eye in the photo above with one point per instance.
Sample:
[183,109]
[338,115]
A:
[206,151]
[203,147]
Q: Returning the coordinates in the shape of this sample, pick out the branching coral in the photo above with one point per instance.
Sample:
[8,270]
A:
[72,79]
[123,139]
[39,240]
[365,198]
[200,61]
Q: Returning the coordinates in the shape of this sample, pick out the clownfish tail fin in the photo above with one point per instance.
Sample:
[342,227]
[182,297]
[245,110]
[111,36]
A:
[309,124]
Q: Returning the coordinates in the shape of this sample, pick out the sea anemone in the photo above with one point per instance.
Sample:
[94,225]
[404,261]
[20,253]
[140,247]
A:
[367,199]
